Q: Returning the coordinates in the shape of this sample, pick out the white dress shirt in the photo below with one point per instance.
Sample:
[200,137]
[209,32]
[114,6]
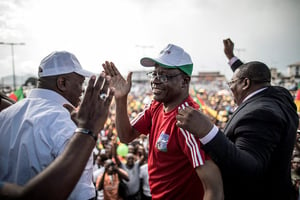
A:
[34,131]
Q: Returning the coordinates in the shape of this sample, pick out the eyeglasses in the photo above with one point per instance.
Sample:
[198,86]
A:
[161,77]
[233,81]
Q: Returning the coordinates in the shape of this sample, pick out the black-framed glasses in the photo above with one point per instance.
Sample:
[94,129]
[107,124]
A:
[161,77]
[233,81]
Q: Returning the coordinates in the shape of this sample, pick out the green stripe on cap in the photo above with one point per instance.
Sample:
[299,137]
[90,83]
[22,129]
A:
[187,69]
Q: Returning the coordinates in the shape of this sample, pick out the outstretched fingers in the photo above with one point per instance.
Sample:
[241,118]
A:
[109,98]
[99,84]
[94,109]
[114,69]
[129,78]
[110,69]
[89,90]
[106,67]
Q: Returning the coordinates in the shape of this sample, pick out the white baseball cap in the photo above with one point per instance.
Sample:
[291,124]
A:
[61,62]
[171,57]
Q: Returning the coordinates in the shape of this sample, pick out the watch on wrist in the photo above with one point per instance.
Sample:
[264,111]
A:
[86,132]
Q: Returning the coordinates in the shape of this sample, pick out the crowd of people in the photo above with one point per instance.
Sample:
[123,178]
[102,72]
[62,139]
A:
[175,141]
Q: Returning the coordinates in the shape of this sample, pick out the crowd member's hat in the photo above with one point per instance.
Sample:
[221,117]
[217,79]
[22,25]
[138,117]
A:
[171,57]
[61,62]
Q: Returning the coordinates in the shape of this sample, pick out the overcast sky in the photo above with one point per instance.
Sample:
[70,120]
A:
[123,31]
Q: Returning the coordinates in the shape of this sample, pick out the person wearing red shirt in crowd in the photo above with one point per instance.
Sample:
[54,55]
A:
[110,179]
[178,168]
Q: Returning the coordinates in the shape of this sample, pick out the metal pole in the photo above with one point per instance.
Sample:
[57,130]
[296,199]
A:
[13,66]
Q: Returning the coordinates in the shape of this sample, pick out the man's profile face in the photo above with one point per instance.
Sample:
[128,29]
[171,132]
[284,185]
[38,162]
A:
[236,87]
[74,88]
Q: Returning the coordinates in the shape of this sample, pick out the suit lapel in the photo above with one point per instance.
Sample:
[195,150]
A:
[228,124]
[232,116]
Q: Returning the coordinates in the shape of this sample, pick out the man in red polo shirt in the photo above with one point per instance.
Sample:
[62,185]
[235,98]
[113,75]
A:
[178,168]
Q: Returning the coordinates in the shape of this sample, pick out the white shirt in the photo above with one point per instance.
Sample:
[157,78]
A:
[96,173]
[34,131]
[134,177]
[232,60]
[145,176]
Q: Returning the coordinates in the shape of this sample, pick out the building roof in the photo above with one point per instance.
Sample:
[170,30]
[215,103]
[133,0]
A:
[295,64]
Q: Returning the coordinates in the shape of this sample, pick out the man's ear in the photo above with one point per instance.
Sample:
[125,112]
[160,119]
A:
[61,83]
[246,83]
[186,81]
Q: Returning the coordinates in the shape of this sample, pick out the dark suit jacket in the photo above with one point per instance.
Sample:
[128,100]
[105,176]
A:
[254,151]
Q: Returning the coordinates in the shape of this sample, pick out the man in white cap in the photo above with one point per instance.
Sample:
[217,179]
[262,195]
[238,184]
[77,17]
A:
[178,168]
[35,131]
[53,182]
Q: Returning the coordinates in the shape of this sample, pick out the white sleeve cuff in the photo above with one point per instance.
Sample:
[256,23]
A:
[212,133]
[232,60]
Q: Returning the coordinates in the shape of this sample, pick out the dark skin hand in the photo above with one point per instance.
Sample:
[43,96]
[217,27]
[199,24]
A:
[122,86]
[87,116]
[228,48]
[194,121]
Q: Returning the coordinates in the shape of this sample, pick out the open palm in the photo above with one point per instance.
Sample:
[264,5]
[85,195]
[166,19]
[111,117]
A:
[122,86]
